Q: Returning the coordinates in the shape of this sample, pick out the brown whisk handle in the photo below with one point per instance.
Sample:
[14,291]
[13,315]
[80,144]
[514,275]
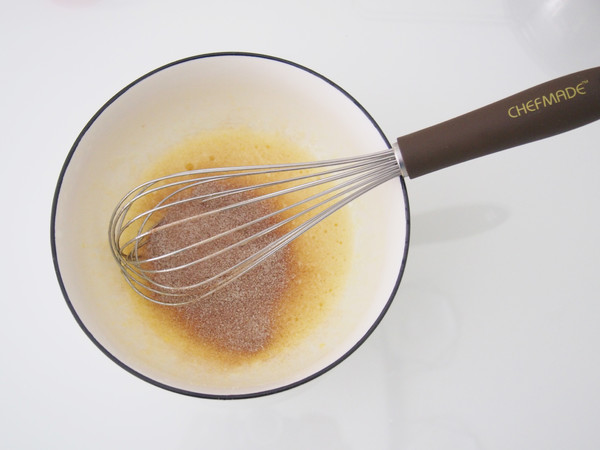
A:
[536,113]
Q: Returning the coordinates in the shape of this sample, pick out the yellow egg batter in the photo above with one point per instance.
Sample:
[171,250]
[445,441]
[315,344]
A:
[318,262]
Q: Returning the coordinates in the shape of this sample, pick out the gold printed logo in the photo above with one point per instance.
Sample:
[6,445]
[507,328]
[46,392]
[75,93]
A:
[545,101]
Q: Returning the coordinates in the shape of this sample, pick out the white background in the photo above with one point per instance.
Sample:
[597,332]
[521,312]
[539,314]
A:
[492,341]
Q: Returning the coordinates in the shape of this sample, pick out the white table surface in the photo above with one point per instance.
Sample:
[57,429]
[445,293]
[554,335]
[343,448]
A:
[492,341]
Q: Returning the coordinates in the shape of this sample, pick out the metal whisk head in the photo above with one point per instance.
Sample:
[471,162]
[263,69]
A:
[181,237]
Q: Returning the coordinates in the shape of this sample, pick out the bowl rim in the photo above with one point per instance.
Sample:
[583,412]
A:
[175,389]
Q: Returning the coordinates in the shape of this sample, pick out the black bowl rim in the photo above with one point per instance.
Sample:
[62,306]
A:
[173,388]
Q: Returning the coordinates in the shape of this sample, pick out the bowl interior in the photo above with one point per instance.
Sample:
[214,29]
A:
[156,112]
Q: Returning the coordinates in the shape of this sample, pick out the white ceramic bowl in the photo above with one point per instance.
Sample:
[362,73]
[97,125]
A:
[156,111]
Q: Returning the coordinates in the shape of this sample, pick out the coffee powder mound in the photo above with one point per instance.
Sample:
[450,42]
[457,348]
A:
[239,317]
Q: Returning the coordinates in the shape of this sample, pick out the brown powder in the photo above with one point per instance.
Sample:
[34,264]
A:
[240,316]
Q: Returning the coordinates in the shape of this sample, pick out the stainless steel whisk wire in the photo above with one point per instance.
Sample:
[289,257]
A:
[353,176]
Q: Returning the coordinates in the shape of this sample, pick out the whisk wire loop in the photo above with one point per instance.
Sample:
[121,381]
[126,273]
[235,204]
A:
[317,190]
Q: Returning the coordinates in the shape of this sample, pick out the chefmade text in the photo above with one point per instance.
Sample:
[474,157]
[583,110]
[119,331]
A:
[544,101]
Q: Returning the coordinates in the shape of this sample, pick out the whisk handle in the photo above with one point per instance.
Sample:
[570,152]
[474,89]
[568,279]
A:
[536,113]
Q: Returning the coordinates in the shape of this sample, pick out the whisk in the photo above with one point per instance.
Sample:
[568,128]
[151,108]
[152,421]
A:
[182,237]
